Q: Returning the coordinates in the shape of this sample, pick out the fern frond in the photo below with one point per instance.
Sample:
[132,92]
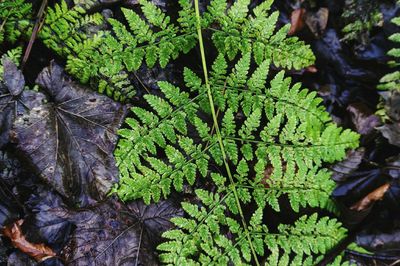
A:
[15,19]
[276,149]
[296,137]
[202,237]
[153,39]
[166,128]
[358,25]
[66,28]
[391,81]
[240,31]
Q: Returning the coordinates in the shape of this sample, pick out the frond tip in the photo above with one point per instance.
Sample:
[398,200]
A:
[201,238]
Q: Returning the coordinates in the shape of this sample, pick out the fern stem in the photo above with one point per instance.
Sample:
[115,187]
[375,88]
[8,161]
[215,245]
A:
[217,130]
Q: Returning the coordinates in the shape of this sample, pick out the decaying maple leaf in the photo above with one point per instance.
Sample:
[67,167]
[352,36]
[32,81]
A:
[11,89]
[39,252]
[68,137]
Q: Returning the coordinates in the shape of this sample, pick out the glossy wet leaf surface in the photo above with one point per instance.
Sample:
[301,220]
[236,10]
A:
[69,137]
[11,87]
[108,233]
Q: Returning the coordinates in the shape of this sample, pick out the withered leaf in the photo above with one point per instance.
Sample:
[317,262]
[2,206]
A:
[49,221]
[296,21]
[363,118]
[381,243]
[117,234]
[358,184]
[69,138]
[391,130]
[13,78]
[10,89]
[317,21]
[19,258]
[342,169]
[39,252]
[108,233]
[368,200]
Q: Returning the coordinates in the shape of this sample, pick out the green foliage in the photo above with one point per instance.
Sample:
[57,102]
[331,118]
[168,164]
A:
[200,239]
[122,51]
[275,139]
[253,144]
[296,136]
[66,28]
[13,55]
[241,30]
[391,81]
[15,18]
[251,141]
[107,58]
[360,17]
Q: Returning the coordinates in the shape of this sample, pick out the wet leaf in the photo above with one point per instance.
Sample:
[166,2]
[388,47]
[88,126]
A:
[39,252]
[296,21]
[108,233]
[317,21]
[329,51]
[13,78]
[342,169]
[367,201]
[3,253]
[117,234]
[363,118]
[11,87]
[18,258]
[391,132]
[69,138]
[358,185]
[392,104]
[10,171]
[48,221]
[8,210]
[383,242]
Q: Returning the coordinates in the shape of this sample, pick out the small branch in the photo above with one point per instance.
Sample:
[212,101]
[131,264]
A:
[38,25]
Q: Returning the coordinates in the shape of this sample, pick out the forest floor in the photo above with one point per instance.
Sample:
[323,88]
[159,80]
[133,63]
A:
[43,227]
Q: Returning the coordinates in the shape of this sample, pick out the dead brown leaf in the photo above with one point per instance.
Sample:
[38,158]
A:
[311,69]
[297,21]
[39,252]
[363,118]
[317,21]
[368,200]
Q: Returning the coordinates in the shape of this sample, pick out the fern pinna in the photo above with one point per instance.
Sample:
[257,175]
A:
[391,81]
